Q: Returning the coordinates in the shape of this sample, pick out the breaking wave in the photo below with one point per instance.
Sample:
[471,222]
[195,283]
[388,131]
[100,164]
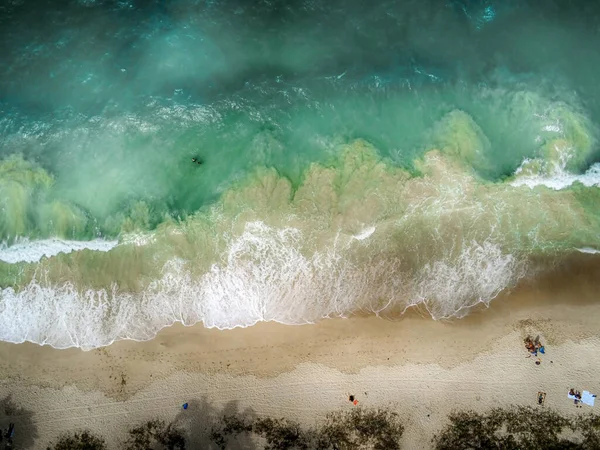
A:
[560,179]
[264,277]
[33,251]
[356,236]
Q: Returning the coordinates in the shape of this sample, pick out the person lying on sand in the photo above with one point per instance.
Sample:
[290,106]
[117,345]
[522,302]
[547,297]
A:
[541,397]
[529,345]
[533,346]
[575,393]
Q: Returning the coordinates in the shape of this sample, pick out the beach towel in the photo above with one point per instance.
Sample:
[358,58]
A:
[586,397]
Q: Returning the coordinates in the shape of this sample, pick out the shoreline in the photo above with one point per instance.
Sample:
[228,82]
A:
[413,364]
[579,268]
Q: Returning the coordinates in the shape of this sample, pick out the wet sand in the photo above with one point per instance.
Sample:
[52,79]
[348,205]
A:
[421,368]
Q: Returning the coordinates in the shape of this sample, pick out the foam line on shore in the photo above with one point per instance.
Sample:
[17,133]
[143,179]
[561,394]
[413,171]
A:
[33,251]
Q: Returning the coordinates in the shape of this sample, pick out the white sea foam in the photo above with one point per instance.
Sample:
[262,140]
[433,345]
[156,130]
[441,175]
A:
[364,233]
[449,288]
[32,251]
[556,128]
[560,179]
[263,276]
[588,250]
[138,239]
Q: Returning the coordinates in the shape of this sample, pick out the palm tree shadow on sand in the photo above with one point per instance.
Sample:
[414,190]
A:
[204,424]
[25,428]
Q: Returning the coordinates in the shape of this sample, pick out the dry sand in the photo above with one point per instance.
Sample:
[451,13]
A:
[420,368]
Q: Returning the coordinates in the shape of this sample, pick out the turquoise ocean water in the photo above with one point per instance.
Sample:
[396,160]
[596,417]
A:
[356,157]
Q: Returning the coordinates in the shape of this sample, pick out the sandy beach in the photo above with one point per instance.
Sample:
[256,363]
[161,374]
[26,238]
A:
[418,367]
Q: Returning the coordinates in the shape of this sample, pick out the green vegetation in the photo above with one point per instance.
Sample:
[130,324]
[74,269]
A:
[281,434]
[155,434]
[519,428]
[515,428]
[83,440]
[358,428]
